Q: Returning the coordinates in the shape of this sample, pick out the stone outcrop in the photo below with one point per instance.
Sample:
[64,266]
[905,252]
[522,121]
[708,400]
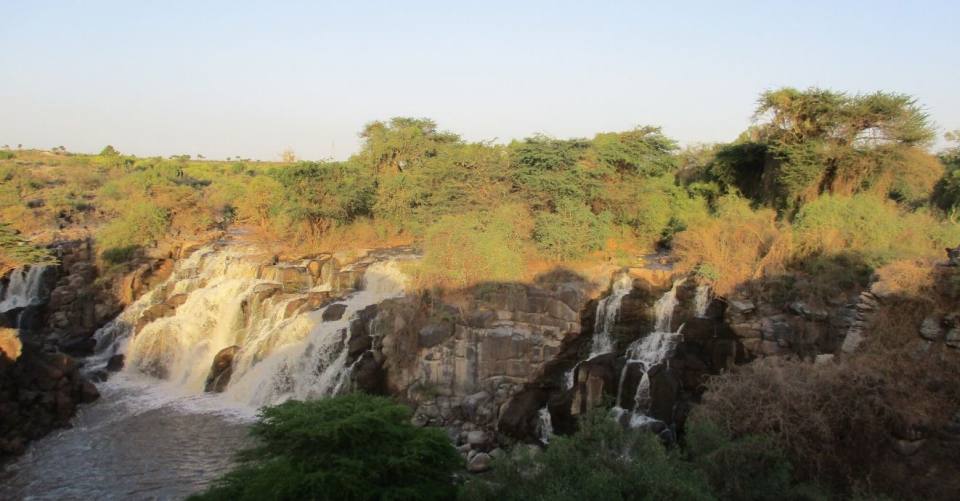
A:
[39,392]
[460,364]
[221,369]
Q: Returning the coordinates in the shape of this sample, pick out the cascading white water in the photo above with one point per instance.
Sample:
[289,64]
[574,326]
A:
[283,353]
[646,353]
[608,309]
[701,300]
[24,289]
[544,425]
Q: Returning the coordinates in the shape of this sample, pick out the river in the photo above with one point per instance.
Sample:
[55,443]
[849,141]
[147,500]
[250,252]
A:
[141,440]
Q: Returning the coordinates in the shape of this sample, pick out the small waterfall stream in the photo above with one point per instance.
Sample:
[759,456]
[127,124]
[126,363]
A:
[24,289]
[608,310]
[647,352]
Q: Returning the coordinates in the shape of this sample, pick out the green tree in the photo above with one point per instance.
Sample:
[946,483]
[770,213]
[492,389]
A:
[806,143]
[324,193]
[401,143]
[644,150]
[351,447]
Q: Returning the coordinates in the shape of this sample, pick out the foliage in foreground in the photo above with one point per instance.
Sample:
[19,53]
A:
[605,461]
[349,447]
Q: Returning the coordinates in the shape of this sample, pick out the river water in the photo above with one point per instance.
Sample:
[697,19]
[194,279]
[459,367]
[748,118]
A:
[140,440]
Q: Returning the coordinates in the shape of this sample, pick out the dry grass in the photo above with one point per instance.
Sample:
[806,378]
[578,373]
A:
[906,277]
[837,420]
[734,247]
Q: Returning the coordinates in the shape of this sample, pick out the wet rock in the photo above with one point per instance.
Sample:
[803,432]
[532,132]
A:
[88,392]
[334,312]
[221,369]
[152,313]
[78,346]
[115,363]
[176,300]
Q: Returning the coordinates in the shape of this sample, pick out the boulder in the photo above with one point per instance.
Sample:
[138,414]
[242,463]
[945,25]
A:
[334,312]
[478,439]
[518,416]
[115,363]
[88,392]
[221,369]
[479,463]
[930,329]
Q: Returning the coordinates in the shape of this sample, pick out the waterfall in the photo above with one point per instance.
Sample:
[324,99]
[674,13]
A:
[701,300]
[25,288]
[647,352]
[283,353]
[544,425]
[608,309]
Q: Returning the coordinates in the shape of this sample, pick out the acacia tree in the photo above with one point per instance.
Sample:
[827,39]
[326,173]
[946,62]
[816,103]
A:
[814,141]
[402,143]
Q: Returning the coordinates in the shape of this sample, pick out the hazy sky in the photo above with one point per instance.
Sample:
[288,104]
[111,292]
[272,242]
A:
[251,78]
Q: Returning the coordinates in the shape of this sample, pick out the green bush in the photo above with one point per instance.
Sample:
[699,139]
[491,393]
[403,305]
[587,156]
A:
[473,247]
[351,447]
[867,226]
[601,461]
[141,224]
[572,231]
[644,151]
[749,468]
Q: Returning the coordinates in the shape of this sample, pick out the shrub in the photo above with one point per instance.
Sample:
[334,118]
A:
[142,223]
[752,467]
[601,461]
[737,244]
[572,231]
[835,421]
[644,150]
[870,227]
[477,246]
[348,447]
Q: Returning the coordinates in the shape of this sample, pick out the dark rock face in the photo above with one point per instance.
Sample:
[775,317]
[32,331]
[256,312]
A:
[39,392]
[115,364]
[334,312]
[221,369]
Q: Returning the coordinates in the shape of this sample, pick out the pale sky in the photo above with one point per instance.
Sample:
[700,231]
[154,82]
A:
[226,78]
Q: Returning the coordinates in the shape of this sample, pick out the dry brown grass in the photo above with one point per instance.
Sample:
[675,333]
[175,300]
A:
[906,277]
[838,420]
[736,246]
